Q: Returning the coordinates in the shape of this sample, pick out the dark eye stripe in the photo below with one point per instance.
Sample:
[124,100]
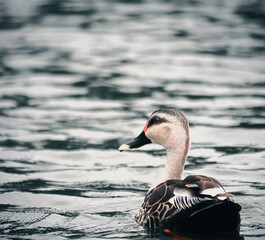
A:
[155,120]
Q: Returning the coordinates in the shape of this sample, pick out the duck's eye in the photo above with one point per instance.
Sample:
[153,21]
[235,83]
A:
[156,120]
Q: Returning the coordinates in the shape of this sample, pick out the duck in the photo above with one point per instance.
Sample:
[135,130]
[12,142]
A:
[195,204]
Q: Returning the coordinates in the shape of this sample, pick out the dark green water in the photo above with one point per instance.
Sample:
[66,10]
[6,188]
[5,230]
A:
[78,78]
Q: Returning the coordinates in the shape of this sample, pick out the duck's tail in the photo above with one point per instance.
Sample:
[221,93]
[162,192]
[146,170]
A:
[212,216]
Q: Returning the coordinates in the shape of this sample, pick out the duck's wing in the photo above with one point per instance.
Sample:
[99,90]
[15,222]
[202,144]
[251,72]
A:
[204,186]
[173,202]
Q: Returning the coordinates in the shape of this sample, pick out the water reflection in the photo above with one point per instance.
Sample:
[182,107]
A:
[180,236]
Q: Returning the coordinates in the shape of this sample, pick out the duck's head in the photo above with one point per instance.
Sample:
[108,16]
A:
[167,127]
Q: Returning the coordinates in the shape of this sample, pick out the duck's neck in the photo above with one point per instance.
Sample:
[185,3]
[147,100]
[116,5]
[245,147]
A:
[176,157]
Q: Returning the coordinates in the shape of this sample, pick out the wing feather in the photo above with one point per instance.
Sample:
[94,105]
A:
[173,197]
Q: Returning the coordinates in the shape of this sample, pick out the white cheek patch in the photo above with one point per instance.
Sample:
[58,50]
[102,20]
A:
[155,134]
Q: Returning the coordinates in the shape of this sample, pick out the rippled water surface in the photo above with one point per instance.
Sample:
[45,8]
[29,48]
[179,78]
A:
[78,78]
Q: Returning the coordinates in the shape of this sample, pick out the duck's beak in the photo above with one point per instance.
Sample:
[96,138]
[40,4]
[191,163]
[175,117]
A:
[135,143]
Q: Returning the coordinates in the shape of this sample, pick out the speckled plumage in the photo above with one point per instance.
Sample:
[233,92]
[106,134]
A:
[174,204]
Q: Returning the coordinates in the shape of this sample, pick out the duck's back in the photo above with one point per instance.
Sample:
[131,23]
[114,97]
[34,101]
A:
[195,204]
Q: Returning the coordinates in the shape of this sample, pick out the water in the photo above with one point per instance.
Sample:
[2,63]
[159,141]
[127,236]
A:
[79,78]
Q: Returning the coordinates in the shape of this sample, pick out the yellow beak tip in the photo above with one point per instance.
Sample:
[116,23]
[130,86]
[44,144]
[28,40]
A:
[124,147]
